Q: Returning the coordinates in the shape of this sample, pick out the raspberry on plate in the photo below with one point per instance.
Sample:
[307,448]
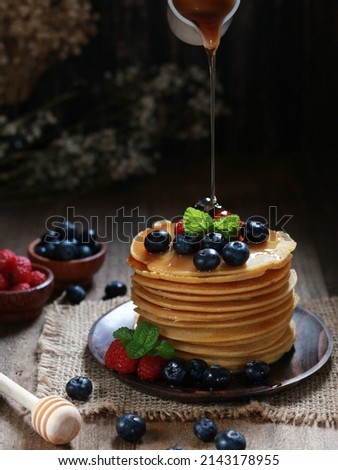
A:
[116,359]
[150,367]
[36,278]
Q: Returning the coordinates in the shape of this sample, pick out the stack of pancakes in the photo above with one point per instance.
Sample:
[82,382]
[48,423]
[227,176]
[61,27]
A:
[226,316]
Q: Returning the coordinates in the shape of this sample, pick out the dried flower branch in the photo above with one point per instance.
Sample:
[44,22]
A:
[33,35]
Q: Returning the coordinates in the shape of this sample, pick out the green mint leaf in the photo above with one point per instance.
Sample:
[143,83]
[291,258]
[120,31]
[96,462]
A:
[146,334]
[135,350]
[164,349]
[124,334]
[228,226]
[196,221]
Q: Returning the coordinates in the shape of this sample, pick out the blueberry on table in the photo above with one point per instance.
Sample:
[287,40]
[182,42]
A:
[130,427]
[75,294]
[206,259]
[115,289]
[216,378]
[256,372]
[255,231]
[79,388]
[157,241]
[230,440]
[205,429]
[235,253]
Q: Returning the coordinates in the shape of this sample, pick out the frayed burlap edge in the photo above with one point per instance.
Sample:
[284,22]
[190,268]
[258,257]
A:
[63,353]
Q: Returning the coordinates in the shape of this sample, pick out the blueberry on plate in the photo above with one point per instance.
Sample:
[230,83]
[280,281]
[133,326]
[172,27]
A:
[206,259]
[235,253]
[79,388]
[255,231]
[216,377]
[75,294]
[157,241]
[195,369]
[187,244]
[256,372]
[115,289]
[130,427]
[175,372]
[205,429]
[230,440]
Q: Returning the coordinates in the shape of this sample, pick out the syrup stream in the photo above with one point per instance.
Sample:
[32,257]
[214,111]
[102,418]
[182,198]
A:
[211,53]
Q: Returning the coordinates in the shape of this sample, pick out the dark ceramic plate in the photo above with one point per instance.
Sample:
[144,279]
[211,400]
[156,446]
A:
[312,349]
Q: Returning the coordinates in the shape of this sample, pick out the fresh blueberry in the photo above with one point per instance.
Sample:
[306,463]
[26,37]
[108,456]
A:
[67,230]
[205,429]
[115,289]
[88,235]
[196,367]
[230,440]
[95,246]
[255,231]
[235,253]
[65,250]
[157,241]
[130,427]
[216,378]
[187,244]
[79,388]
[50,252]
[50,236]
[84,251]
[206,259]
[256,372]
[175,371]
[75,294]
[175,448]
[41,250]
[213,240]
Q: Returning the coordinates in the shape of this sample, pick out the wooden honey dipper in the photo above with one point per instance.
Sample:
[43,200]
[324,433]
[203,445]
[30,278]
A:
[56,420]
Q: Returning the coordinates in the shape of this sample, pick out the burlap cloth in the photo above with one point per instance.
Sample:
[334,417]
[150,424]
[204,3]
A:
[63,353]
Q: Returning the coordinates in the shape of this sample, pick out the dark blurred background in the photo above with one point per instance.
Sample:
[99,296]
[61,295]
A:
[277,66]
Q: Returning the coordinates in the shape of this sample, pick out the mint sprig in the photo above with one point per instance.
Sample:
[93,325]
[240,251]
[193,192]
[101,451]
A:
[196,221]
[227,226]
[144,340]
[199,222]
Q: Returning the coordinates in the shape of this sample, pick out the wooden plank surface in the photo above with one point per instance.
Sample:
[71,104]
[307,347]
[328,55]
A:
[267,182]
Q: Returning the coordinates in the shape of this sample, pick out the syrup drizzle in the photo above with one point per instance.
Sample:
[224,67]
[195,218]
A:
[208,15]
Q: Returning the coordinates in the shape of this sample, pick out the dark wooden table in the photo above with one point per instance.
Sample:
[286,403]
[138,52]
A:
[299,187]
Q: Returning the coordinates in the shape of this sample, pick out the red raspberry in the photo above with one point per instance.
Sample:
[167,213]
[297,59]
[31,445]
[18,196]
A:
[150,367]
[7,259]
[116,359]
[36,278]
[179,227]
[21,270]
[21,286]
[4,284]
[222,213]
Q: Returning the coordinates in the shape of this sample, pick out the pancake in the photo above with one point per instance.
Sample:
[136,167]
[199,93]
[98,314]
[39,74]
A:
[226,316]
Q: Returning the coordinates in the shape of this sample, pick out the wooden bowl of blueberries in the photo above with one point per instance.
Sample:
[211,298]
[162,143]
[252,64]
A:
[73,255]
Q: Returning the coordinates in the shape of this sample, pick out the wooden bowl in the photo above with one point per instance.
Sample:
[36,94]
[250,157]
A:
[20,306]
[66,273]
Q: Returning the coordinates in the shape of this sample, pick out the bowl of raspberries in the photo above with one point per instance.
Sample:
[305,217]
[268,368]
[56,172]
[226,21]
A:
[73,255]
[25,287]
